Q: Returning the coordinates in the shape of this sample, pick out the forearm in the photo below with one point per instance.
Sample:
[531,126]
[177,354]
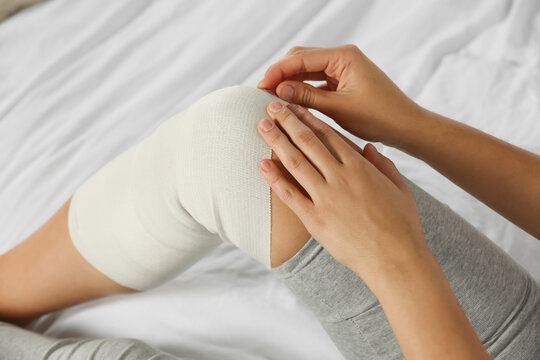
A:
[501,175]
[423,312]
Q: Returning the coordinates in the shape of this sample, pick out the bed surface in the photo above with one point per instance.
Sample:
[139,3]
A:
[81,81]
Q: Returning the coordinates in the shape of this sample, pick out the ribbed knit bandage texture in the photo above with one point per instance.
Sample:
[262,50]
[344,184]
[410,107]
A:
[161,205]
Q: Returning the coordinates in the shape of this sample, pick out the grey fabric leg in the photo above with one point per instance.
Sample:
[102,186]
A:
[20,344]
[498,296]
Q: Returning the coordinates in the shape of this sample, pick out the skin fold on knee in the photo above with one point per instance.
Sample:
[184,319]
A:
[288,234]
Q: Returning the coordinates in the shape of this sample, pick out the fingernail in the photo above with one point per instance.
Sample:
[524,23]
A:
[265,165]
[266,124]
[260,85]
[276,106]
[286,93]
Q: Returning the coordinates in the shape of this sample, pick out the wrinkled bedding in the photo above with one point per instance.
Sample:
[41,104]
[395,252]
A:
[80,81]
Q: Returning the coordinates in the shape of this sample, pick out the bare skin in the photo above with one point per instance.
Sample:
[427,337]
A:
[360,209]
[366,103]
[46,272]
[288,232]
[415,294]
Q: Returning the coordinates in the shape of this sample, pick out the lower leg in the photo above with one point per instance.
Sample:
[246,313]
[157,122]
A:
[159,230]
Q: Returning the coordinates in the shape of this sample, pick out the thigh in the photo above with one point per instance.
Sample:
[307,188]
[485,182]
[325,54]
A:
[499,297]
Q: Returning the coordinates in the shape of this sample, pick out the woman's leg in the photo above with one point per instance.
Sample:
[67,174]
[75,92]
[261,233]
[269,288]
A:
[218,192]
[45,272]
[134,219]
[20,344]
[500,299]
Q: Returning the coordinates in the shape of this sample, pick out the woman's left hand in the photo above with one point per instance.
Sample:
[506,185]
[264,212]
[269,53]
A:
[362,212]
[359,207]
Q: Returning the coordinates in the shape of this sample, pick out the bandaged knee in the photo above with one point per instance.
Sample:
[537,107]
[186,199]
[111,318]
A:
[161,205]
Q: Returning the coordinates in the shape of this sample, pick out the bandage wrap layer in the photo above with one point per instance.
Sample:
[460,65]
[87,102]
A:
[161,205]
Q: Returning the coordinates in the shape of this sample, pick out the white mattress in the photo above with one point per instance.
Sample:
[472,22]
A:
[80,81]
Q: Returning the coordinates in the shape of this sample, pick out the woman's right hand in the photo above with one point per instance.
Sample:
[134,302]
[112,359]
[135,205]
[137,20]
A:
[357,94]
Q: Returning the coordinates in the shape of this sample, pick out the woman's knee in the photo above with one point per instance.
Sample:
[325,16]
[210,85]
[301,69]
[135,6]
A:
[228,149]
[160,206]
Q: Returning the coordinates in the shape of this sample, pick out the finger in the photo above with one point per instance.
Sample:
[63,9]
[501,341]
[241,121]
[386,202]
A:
[316,60]
[315,76]
[355,147]
[299,49]
[304,138]
[338,147]
[327,87]
[285,190]
[291,158]
[384,165]
[307,95]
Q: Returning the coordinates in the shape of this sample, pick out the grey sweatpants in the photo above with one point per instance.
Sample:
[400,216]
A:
[498,296]
[500,299]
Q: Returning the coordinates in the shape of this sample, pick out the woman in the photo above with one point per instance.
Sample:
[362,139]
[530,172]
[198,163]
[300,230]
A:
[388,262]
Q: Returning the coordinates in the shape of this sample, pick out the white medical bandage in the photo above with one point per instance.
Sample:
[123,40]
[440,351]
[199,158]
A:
[161,205]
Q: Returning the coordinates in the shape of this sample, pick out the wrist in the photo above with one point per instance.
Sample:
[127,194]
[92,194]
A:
[381,275]
[420,129]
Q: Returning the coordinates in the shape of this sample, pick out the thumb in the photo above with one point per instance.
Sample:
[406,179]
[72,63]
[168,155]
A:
[303,94]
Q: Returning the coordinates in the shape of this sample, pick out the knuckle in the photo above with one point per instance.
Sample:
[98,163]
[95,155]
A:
[286,117]
[274,137]
[318,218]
[324,132]
[306,137]
[294,50]
[295,162]
[351,48]
[273,180]
[390,162]
[306,97]
[342,180]
[287,195]
[357,164]
[270,68]
[296,109]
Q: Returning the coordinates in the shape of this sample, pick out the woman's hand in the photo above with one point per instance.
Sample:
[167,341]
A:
[357,94]
[357,207]
[366,103]
[362,212]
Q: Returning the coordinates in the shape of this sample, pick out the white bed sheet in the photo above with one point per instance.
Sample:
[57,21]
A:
[80,81]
